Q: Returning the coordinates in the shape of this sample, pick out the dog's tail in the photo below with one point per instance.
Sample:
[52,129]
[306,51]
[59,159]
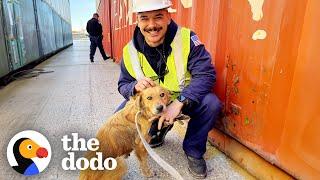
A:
[116,174]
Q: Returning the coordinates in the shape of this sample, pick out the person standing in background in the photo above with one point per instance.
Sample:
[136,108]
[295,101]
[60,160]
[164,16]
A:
[94,28]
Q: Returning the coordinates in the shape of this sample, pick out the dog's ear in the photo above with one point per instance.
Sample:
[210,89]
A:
[138,101]
[135,96]
[168,94]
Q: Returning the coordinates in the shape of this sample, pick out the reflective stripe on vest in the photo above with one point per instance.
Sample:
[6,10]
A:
[135,61]
[178,76]
[178,58]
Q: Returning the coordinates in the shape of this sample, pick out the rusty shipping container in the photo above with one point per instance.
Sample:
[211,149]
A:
[267,56]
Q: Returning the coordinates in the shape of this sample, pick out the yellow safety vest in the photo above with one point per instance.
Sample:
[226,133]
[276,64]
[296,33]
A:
[178,76]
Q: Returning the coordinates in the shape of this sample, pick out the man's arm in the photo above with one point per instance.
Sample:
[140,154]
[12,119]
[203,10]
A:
[126,82]
[203,77]
[88,27]
[203,74]
[100,29]
[129,86]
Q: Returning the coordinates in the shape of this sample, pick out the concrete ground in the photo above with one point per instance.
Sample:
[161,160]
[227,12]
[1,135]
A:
[78,96]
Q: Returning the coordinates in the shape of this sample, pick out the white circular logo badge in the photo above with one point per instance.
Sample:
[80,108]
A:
[29,152]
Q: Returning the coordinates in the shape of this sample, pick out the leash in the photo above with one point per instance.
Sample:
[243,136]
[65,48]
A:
[171,170]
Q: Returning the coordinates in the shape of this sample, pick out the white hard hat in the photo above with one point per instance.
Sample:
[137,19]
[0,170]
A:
[150,5]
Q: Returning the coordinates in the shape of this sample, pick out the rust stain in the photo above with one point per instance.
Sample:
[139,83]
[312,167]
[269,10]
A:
[247,121]
[236,80]
[236,90]
[235,109]
[233,67]
[245,174]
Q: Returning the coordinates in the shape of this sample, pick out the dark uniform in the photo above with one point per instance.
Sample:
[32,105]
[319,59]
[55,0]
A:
[94,29]
[203,107]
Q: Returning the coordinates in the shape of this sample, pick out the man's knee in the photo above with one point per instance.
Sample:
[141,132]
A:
[121,106]
[213,104]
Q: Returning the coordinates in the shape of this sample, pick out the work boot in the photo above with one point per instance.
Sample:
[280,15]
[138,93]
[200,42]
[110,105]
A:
[106,58]
[157,136]
[197,167]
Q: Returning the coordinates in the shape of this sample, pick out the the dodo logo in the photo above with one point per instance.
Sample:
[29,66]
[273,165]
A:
[29,152]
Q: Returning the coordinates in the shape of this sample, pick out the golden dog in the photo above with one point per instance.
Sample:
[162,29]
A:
[118,137]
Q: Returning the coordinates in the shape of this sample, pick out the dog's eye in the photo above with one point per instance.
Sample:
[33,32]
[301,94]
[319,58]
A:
[149,98]
[162,95]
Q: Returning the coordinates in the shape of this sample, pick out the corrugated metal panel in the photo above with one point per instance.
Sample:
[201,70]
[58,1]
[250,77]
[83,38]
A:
[61,7]
[299,149]
[19,30]
[4,67]
[262,51]
[46,27]
[12,36]
[97,3]
[67,34]
[28,27]
[105,19]
[122,25]
[32,29]
[58,30]
[259,77]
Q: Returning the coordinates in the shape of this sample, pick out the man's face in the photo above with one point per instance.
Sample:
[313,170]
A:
[153,25]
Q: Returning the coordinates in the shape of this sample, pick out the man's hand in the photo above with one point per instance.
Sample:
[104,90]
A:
[143,84]
[172,111]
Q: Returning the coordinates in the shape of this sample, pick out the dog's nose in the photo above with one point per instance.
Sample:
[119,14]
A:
[159,108]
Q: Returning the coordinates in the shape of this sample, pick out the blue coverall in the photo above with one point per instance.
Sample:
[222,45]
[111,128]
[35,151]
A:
[204,106]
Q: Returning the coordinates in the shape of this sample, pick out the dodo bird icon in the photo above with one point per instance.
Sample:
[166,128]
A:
[24,150]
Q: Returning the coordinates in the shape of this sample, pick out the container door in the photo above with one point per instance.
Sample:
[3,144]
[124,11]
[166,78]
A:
[4,67]
[14,33]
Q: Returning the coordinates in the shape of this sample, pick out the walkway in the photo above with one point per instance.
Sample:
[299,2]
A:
[78,96]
